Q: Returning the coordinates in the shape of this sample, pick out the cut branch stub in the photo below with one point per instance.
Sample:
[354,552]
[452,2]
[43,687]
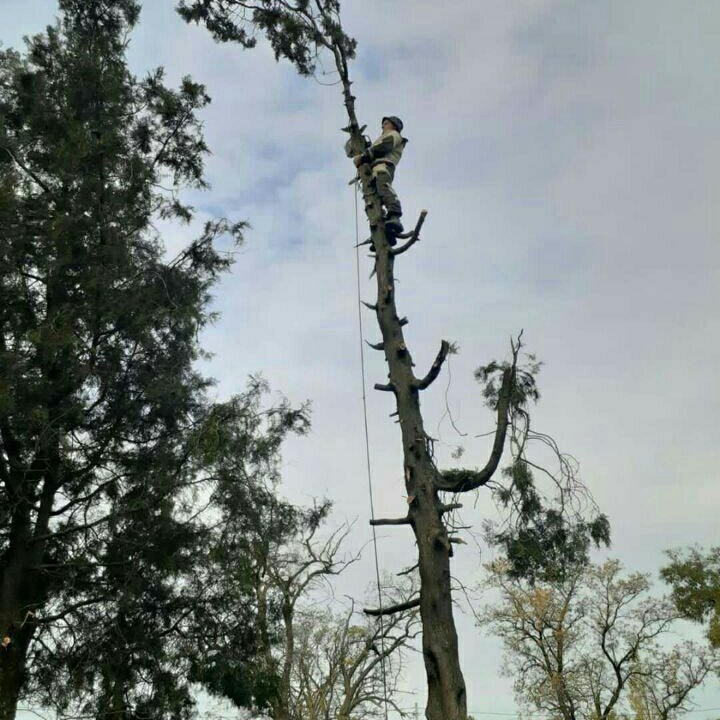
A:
[391,521]
[387,387]
[414,236]
[391,609]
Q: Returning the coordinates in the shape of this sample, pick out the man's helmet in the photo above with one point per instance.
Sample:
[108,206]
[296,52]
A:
[396,121]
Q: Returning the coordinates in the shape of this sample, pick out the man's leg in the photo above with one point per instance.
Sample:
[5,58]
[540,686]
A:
[383,182]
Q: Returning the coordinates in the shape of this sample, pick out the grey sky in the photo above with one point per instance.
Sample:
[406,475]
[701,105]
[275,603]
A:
[569,155]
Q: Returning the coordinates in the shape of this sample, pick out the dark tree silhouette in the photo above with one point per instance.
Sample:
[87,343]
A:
[98,334]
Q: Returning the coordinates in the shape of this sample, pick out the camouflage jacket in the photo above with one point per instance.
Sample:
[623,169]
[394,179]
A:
[388,148]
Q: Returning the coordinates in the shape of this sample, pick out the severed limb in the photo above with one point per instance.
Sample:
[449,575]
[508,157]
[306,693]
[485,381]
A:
[436,367]
[392,609]
[391,521]
[387,387]
[414,236]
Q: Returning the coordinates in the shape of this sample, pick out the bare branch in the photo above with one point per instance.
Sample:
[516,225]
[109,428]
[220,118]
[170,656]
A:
[465,480]
[414,236]
[391,521]
[391,609]
[27,170]
[436,367]
[450,507]
[388,387]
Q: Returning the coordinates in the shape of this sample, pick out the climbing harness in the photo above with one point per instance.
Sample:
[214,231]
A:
[367,448]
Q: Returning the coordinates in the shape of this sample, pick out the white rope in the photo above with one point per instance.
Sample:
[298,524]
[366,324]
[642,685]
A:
[367,448]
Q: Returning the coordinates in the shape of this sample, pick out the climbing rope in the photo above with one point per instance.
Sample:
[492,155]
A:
[367,447]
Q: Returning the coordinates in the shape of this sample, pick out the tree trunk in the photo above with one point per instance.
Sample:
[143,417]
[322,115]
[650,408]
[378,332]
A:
[13,633]
[11,681]
[12,670]
[446,685]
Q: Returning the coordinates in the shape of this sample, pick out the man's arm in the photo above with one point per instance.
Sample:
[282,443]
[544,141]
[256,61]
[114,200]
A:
[380,148]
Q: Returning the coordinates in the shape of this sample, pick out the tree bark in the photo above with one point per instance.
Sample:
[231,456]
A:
[11,681]
[12,669]
[22,586]
[13,635]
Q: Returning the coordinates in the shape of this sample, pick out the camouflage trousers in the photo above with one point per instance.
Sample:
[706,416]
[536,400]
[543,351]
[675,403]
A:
[383,174]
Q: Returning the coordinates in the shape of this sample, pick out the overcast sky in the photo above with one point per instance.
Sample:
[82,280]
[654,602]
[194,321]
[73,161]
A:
[569,156]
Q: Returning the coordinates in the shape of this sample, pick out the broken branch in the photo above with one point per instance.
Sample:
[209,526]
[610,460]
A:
[391,521]
[436,366]
[414,236]
[390,609]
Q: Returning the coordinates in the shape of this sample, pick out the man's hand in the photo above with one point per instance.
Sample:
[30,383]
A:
[357,160]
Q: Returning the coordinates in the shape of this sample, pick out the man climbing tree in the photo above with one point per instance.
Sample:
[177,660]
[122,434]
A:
[383,156]
[537,535]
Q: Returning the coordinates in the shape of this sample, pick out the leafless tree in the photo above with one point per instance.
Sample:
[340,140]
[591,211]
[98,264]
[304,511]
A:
[284,573]
[347,668]
[328,665]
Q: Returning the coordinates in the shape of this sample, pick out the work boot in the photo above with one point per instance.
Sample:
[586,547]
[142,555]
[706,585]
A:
[393,227]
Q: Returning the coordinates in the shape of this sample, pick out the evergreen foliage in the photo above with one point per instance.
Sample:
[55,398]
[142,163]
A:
[105,431]
[546,534]
[297,30]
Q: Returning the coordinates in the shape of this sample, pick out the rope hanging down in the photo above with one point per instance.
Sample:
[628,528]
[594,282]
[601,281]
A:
[367,449]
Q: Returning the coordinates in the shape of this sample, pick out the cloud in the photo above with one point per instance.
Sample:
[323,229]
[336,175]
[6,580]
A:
[569,156]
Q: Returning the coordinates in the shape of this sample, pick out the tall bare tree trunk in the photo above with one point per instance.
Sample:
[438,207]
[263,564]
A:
[314,26]
[445,681]
[446,685]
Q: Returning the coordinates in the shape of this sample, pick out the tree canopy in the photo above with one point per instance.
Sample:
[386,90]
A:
[594,644]
[694,576]
[102,411]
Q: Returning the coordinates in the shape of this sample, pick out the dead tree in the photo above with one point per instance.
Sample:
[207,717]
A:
[300,30]
[345,669]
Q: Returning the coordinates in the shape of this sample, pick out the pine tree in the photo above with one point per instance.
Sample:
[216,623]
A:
[175,599]
[98,392]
